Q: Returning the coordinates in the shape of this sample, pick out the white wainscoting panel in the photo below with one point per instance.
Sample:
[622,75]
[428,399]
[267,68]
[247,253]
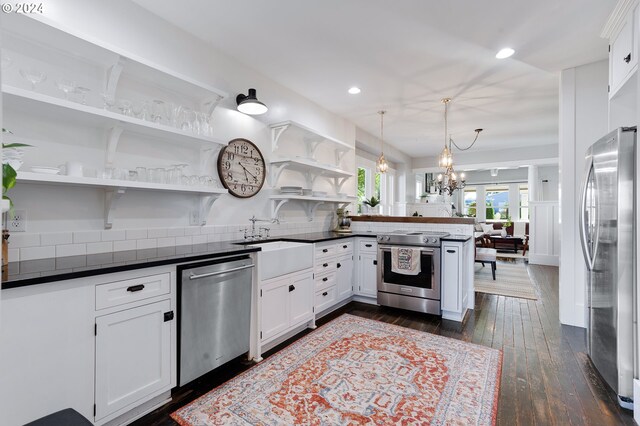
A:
[544,233]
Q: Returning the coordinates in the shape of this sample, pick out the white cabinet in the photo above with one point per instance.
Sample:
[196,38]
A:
[133,356]
[455,278]
[622,31]
[286,303]
[367,274]
[366,268]
[344,276]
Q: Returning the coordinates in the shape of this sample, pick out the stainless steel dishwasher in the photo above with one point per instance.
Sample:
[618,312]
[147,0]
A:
[215,314]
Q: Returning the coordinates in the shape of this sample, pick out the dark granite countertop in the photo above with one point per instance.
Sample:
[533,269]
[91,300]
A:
[456,237]
[40,271]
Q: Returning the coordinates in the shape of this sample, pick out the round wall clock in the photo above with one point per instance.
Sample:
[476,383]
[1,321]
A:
[241,168]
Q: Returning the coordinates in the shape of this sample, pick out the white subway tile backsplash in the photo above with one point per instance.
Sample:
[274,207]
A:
[87,237]
[166,242]
[146,243]
[136,234]
[192,230]
[101,247]
[206,230]
[30,253]
[14,255]
[157,233]
[211,238]
[181,241]
[199,239]
[17,240]
[56,238]
[117,235]
[175,232]
[124,245]
[71,250]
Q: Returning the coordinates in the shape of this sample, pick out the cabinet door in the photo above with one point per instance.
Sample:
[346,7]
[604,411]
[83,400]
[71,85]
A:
[450,291]
[344,277]
[368,274]
[301,298]
[622,58]
[275,308]
[133,356]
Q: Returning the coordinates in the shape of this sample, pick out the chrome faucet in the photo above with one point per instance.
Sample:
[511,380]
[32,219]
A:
[258,236]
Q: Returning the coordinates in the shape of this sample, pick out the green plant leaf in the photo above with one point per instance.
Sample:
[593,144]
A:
[14,145]
[9,176]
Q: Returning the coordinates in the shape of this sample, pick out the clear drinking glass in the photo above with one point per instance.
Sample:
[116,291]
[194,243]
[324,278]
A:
[142,174]
[108,173]
[33,76]
[158,111]
[81,94]
[194,180]
[67,86]
[107,101]
[174,175]
[158,175]
[124,106]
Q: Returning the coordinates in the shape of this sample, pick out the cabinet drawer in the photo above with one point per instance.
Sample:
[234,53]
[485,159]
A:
[325,298]
[368,246]
[324,266]
[325,251]
[127,291]
[344,247]
[325,281]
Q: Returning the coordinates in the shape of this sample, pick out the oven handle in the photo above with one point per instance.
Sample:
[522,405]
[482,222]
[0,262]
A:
[422,249]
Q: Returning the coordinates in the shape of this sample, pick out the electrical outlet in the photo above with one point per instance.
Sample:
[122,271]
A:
[194,219]
[17,222]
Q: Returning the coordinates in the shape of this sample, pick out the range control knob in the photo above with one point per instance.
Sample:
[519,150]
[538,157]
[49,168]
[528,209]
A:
[434,240]
[387,238]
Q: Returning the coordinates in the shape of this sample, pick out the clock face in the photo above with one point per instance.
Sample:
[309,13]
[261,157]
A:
[241,168]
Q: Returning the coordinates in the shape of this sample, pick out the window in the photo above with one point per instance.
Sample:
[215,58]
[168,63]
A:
[469,202]
[523,197]
[497,202]
[362,187]
[377,192]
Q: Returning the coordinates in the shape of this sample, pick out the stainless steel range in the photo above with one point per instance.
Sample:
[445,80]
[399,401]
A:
[420,292]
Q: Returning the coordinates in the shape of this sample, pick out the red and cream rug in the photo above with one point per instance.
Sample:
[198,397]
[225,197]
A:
[358,371]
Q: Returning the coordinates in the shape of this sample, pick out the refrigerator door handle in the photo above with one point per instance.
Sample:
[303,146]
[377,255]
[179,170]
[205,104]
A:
[583,207]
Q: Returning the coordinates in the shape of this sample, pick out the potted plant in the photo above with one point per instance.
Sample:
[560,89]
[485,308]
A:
[508,225]
[372,204]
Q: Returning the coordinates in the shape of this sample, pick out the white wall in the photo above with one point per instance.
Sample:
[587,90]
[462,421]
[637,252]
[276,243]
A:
[548,183]
[130,28]
[583,119]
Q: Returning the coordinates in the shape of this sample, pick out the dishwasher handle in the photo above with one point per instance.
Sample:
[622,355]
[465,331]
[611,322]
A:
[211,274]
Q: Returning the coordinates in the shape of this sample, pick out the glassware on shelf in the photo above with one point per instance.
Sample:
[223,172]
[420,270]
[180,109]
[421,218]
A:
[81,94]
[158,111]
[175,113]
[108,101]
[186,122]
[108,173]
[133,175]
[67,86]
[194,180]
[157,175]
[33,76]
[124,106]
[142,174]
[174,175]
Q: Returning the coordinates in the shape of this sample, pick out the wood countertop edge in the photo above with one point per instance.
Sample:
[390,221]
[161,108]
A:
[414,219]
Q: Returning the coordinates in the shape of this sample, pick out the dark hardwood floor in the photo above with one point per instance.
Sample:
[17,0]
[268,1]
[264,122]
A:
[547,378]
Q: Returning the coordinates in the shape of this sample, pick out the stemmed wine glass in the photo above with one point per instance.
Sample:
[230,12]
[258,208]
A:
[33,76]
[67,86]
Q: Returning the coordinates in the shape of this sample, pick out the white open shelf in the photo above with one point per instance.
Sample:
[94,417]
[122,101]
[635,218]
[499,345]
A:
[39,31]
[310,137]
[38,104]
[309,203]
[310,169]
[114,189]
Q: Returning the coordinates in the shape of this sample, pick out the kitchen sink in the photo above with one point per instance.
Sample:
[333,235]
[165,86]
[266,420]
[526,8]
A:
[279,258]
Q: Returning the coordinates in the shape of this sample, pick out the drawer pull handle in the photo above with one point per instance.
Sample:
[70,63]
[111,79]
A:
[375,262]
[325,279]
[368,245]
[325,293]
[291,288]
[345,246]
[135,288]
[324,265]
[338,265]
[325,250]
[168,316]
[451,251]
[627,58]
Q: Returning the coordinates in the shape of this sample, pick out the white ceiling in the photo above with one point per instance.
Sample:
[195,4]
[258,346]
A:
[408,54]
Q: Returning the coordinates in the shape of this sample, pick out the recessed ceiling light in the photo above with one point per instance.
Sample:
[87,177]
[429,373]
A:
[354,90]
[505,53]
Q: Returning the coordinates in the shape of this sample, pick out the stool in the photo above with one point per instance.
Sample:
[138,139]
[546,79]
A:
[487,255]
[66,417]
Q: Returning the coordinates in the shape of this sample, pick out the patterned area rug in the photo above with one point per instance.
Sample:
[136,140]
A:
[512,279]
[358,371]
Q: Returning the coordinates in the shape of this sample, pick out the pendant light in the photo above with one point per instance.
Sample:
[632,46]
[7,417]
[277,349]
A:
[249,104]
[381,165]
[446,156]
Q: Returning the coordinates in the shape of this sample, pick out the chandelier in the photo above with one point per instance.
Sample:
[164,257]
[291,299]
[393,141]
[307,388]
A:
[381,165]
[450,181]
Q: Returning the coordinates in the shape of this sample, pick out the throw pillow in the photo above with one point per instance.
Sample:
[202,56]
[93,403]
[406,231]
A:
[487,229]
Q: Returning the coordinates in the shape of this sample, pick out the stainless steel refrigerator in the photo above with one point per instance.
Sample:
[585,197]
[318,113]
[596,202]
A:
[607,234]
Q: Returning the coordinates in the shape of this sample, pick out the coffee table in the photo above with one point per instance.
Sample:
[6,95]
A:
[509,241]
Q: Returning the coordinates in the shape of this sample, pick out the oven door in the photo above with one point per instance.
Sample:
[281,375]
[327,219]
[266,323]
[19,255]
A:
[426,284]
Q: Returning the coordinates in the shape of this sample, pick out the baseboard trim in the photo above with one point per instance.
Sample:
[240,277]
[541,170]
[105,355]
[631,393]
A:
[544,259]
